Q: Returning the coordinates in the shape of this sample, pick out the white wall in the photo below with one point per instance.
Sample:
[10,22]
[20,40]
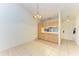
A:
[77,30]
[16,26]
[68,29]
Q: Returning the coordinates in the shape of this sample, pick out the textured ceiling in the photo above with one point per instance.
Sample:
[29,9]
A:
[51,9]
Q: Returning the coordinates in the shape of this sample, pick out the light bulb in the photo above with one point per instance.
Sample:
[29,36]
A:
[37,17]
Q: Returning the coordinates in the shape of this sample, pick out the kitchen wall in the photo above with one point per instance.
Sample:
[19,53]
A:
[16,26]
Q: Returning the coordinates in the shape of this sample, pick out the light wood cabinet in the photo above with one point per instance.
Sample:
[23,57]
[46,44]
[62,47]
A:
[51,37]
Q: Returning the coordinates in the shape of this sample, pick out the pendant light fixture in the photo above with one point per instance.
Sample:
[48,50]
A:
[37,16]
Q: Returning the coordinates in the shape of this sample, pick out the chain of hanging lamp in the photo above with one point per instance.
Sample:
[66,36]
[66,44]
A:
[37,16]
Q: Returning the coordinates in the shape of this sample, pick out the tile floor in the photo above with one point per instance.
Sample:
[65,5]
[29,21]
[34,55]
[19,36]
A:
[43,48]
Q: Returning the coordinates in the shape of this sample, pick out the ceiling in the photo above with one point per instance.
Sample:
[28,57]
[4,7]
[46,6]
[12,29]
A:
[67,10]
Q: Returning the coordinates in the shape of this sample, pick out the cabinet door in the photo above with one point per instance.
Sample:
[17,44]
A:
[52,38]
[40,34]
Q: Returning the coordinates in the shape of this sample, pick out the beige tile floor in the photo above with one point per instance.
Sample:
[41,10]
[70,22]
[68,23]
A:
[43,48]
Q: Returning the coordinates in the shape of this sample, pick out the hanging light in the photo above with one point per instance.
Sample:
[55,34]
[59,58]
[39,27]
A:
[37,16]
